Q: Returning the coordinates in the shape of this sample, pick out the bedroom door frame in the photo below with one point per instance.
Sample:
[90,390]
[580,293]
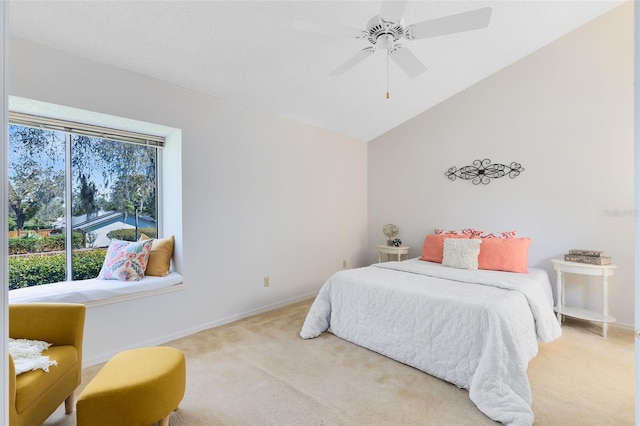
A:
[636,121]
[4,221]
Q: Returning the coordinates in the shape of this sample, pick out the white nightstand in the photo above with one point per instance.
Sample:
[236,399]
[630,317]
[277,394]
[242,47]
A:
[604,271]
[387,253]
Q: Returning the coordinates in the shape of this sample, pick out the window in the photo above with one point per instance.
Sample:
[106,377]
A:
[73,187]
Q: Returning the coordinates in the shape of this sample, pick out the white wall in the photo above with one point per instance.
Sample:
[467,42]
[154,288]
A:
[566,114]
[261,196]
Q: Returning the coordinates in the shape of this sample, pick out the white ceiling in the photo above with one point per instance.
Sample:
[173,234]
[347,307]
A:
[247,51]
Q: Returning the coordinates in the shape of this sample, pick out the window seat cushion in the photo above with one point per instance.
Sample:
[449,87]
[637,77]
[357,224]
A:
[84,291]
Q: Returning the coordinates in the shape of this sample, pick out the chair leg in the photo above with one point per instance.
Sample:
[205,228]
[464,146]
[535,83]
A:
[164,422]
[69,404]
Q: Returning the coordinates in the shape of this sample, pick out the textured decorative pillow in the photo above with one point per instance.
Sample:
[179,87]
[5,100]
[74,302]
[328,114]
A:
[506,234]
[433,246]
[461,253]
[160,257]
[504,254]
[125,261]
[467,231]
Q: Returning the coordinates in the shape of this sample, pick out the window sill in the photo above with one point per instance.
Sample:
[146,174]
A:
[94,292]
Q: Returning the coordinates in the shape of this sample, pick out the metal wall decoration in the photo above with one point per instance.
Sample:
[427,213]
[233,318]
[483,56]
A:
[482,171]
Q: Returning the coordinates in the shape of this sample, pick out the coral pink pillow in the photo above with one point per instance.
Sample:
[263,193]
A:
[504,254]
[433,246]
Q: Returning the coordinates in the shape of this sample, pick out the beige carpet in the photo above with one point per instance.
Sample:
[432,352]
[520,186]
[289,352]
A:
[258,371]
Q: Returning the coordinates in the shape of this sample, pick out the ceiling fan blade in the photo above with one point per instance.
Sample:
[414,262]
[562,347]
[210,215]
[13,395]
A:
[465,21]
[392,10]
[406,60]
[353,61]
[328,29]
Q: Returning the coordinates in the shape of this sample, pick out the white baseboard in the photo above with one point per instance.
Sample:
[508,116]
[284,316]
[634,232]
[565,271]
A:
[162,339]
[622,326]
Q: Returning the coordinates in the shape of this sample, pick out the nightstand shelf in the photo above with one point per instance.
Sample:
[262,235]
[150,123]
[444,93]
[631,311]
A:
[387,253]
[584,314]
[604,271]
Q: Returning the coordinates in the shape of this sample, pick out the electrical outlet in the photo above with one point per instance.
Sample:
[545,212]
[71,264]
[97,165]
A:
[266,281]
[344,264]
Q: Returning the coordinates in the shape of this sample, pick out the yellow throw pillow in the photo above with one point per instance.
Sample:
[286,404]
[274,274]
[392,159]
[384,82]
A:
[160,257]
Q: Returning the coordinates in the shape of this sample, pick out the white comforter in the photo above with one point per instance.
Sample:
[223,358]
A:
[475,329]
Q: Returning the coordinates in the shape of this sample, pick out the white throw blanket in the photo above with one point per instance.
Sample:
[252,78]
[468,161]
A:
[27,355]
[475,329]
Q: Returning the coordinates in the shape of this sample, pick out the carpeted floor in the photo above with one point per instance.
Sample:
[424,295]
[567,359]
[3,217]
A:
[258,371]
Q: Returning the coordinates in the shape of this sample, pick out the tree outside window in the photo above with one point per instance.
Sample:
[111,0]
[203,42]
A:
[107,178]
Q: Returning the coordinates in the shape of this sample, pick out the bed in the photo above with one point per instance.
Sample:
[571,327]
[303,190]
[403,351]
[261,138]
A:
[477,329]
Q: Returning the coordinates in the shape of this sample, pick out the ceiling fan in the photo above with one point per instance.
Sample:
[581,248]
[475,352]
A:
[387,31]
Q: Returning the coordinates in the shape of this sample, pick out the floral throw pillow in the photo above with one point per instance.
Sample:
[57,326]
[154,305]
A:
[125,261]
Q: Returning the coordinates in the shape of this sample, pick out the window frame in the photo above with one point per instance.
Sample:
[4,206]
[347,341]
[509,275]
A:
[71,128]
[84,129]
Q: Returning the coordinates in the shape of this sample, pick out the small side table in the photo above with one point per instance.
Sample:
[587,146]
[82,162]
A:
[398,253]
[605,271]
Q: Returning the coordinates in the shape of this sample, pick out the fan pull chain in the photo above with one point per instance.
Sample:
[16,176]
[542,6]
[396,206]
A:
[388,73]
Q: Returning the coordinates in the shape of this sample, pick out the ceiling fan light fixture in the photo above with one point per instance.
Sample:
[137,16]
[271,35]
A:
[386,31]
[385,41]
[378,27]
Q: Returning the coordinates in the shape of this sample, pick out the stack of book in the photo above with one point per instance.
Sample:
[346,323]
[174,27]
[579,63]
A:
[592,257]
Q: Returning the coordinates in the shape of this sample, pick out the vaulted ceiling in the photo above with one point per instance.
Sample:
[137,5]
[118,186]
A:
[249,53]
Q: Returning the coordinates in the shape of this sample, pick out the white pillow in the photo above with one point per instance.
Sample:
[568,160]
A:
[461,253]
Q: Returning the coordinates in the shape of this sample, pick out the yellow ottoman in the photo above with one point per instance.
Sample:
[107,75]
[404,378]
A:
[138,387]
